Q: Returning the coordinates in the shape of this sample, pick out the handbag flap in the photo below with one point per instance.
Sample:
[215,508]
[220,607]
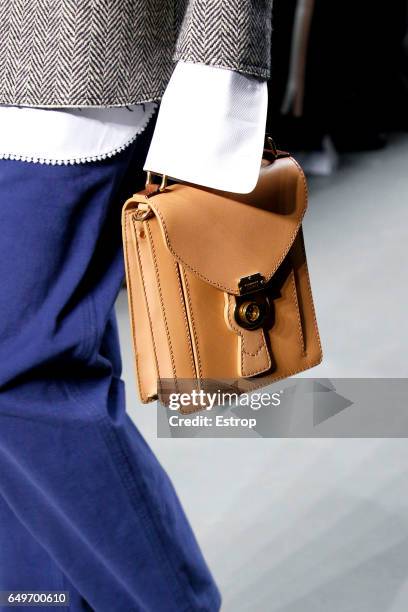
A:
[222,236]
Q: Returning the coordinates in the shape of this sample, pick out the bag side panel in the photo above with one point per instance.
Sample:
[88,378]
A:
[313,348]
[293,337]
[175,351]
[143,350]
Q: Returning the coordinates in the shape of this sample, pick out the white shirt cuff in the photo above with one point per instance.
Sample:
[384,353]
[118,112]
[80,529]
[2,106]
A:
[210,128]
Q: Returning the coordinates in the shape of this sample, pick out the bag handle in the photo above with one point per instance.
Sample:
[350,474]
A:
[149,180]
[269,147]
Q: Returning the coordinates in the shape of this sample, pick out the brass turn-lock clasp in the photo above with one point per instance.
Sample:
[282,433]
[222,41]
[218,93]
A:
[252,306]
[252,312]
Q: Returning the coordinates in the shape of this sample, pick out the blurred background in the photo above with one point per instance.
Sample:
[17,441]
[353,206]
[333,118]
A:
[339,79]
[321,525]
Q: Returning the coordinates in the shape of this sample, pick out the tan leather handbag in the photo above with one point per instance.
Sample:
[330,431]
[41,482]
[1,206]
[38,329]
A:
[218,282]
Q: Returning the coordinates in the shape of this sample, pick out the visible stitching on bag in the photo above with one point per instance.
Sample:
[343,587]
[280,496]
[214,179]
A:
[262,346]
[309,364]
[309,288]
[264,383]
[149,316]
[301,338]
[199,366]
[269,276]
[156,269]
[183,307]
[259,370]
[132,308]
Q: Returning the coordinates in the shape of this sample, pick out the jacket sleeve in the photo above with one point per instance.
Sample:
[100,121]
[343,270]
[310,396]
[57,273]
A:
[233,34]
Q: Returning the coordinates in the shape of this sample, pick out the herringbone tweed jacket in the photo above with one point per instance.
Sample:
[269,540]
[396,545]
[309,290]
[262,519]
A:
[120,52]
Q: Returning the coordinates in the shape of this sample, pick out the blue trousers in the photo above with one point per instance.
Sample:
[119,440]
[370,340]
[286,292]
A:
[84,504]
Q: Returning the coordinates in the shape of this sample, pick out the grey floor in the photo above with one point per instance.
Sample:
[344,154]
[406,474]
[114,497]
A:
[316,525]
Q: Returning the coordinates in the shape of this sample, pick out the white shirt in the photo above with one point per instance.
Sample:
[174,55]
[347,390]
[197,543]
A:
[210,129]
[69,136]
